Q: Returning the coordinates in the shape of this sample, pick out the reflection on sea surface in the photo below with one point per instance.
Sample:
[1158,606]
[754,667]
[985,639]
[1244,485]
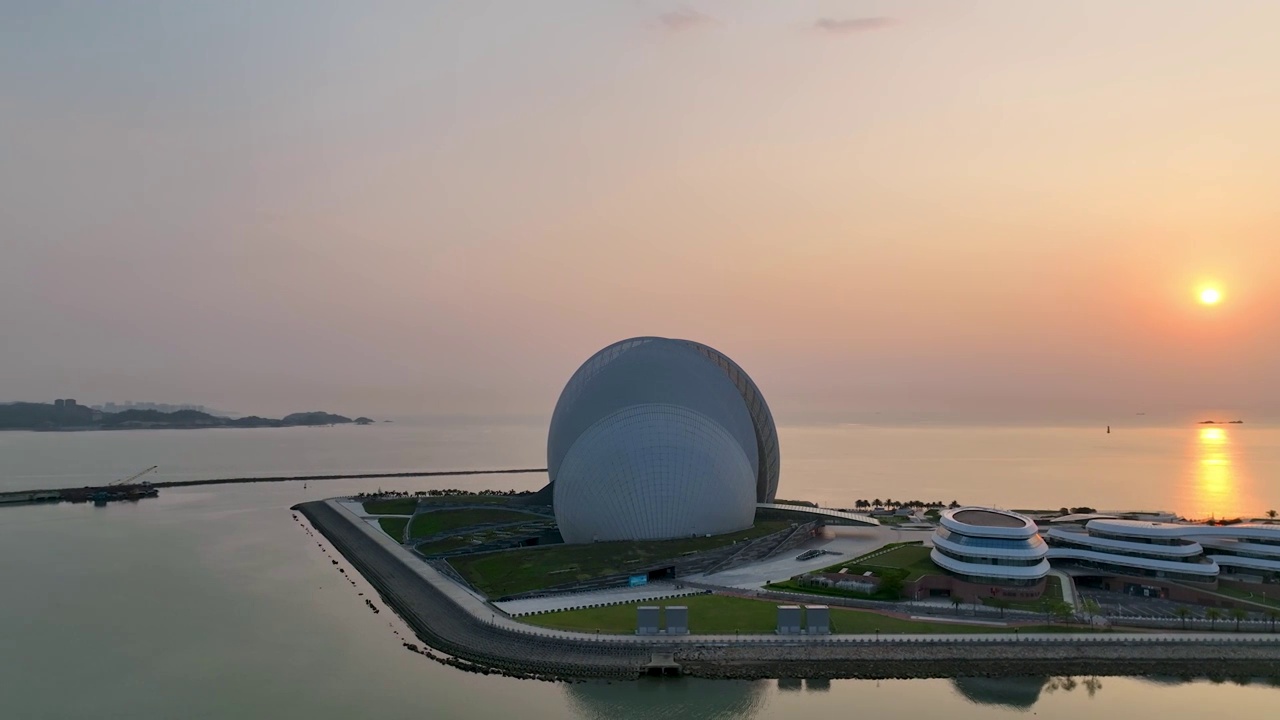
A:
[1020,692]
[1219,488]
[660,698]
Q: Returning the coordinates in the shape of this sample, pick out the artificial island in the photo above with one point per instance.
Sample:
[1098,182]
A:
[660,546]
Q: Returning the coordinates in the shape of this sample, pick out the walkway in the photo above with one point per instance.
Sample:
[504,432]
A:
[596,598]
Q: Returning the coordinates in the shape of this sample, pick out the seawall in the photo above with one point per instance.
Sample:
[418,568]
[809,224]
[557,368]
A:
[439,622]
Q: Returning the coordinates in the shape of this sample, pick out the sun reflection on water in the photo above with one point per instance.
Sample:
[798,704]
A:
[1218,488]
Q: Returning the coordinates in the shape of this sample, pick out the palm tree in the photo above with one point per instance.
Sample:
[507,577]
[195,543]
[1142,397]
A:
[1272,514]
[1000,603]
[876,502]
[957,601]
[1237,614]
[1213,615]
[1183,612]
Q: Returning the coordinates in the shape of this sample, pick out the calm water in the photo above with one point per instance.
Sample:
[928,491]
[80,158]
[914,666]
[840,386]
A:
[214,603]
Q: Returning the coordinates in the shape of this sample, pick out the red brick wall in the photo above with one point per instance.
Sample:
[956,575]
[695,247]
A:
[969,592]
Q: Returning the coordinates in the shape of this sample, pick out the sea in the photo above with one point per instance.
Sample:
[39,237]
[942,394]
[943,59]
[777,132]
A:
[213,602]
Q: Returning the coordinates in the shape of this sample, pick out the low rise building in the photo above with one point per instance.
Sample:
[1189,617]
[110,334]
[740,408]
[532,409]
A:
[987,553]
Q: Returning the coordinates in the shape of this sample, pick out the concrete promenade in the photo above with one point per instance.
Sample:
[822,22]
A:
[458,621]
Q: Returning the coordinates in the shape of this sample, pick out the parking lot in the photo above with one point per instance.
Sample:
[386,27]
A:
[1115,604]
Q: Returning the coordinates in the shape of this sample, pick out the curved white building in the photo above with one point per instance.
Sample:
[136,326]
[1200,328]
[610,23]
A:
[1170,551]
[997,548]
[655,438]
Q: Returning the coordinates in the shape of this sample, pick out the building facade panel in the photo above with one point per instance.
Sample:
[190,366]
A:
[656,438]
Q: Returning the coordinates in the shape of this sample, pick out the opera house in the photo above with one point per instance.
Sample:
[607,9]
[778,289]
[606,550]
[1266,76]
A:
[654,438]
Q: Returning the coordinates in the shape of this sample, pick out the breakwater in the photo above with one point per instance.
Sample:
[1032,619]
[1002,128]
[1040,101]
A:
[343,476]
[141,490]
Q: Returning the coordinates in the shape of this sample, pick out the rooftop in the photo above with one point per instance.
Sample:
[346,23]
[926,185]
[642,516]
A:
[988,518]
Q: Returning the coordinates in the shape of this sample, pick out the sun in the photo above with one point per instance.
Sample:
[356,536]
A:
[1210,296]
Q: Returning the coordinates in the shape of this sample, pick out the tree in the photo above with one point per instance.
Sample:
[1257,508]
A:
[1213,615]
[1062,611]
[957,601]
[954,504]
[1000,603]
[1091,608]
[876,502]
[1183,612]
[1272,514]
[1238,614]
[1273,615]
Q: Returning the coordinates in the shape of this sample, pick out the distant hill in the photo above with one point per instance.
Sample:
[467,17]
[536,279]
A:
[315,417]
[64,416]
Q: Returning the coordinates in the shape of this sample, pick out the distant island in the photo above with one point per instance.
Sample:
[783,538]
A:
[1220,422]
[68,415]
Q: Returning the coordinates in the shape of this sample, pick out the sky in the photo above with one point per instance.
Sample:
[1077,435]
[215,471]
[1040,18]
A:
[938,208]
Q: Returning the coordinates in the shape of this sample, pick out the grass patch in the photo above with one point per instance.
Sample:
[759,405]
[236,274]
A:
[394,506]
[393,526]
[793,586]
[724,615]
[515,571]
[445,545]
[438,521]
[469,499]
[910,558]
[1253,597]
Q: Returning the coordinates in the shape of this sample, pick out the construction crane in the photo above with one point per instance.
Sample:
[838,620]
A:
[131,478]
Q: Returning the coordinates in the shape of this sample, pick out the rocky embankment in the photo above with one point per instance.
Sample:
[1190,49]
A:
[902,660]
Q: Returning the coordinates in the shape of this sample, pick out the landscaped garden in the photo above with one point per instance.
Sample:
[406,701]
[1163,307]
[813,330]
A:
[435,522]
[392,506]
[393,526]
[504,573]
[891,565]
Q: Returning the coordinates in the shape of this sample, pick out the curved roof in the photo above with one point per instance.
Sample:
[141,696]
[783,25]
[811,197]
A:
[1162,530]
[661,371]
[821,512]
[987,522]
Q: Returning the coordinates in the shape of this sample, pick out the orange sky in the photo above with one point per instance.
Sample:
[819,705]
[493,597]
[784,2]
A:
[912,207]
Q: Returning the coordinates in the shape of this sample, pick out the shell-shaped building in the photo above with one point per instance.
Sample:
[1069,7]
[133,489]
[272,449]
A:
[655,438]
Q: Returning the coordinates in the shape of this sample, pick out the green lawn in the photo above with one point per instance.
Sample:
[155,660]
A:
[445,545]
[514,571]
[912,558]
[394,506]
[393,526]
[1254,597]
[723,615]
[793,586]
[469,499]
[437,521]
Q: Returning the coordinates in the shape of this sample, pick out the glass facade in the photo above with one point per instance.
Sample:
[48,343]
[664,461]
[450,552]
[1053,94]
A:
[1007,562]
[987,542]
